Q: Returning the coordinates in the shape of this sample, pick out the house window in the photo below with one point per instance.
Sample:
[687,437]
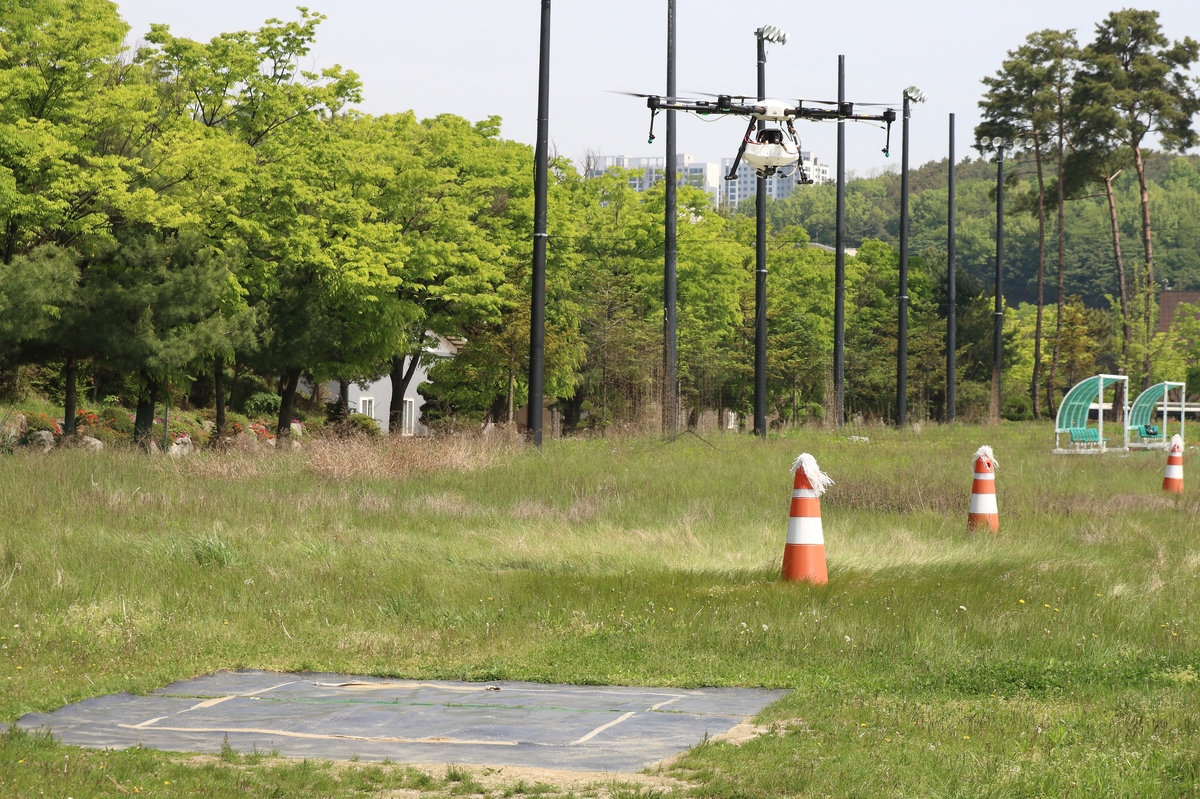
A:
[410,417]
[366,406]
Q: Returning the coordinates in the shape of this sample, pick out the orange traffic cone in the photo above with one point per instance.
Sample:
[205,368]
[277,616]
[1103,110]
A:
[1173,479]
[804,555]
[983,511]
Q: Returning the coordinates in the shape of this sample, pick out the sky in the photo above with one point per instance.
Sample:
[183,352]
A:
[478,58]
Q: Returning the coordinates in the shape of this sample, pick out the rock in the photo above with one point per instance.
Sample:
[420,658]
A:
[297,429]
[42,439]
[14,429]
[246,441]
[90,443]
[208,426]
[182,446]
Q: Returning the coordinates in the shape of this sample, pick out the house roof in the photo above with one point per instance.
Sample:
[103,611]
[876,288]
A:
[1168,302]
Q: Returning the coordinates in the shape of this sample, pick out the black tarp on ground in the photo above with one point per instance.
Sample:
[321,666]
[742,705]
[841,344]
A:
[331,716]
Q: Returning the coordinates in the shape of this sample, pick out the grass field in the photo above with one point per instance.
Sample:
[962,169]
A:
[1058,658]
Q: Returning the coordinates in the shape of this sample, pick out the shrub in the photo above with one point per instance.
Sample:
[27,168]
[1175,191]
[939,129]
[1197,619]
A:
[117,419]
[1018,408]
[40,421]
[105,434]
[358,424]
[262,405]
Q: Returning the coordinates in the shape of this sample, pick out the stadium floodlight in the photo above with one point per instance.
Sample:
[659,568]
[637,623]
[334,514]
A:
[914,94]
[772,34]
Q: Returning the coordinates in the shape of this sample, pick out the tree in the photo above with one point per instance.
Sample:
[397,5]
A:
[1027,97]
[163,299]
[1134,82]
[249,86]
[33,291]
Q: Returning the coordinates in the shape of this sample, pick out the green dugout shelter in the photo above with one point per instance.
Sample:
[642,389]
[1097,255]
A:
[1144,430]
[1073,432]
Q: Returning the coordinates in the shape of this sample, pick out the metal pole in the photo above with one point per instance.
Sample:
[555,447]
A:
[951,288]
[760,268]
[839,279]
[537,319]
[902,333]
[670,398]
[998,316]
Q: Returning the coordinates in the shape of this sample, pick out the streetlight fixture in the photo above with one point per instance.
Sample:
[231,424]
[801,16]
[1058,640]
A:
[772,34]
[911,95]
[765,34]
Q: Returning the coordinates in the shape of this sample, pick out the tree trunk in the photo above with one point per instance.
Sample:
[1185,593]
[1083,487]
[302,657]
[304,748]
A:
[1148,315]
[1041,269]
[219,390]
[70,378]
[143,422]
[1122,284]
[343,400]
[401,378]
[287,400]
[237,373]
[512,390]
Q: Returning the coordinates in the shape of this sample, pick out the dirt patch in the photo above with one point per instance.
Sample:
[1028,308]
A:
[497,780]
[742,732]
[552,782]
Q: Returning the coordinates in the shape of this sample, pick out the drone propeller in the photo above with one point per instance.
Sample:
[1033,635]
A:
[648,96]
[732,96]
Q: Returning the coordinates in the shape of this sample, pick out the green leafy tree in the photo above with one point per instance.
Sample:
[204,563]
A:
[308,267]
[1028,98]
[1134,82]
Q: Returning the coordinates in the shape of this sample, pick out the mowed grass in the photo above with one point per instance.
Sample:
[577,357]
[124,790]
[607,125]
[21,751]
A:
[1057,658]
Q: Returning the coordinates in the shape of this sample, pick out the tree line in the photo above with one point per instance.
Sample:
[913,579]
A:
[186,218]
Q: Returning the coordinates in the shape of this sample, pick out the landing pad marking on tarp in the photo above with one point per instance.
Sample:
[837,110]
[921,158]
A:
[337,717]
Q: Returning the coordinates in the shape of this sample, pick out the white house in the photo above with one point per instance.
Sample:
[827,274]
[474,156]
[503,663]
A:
[376,399]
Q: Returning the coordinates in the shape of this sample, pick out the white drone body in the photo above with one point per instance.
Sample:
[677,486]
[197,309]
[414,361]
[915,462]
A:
[767,158]
[771,110]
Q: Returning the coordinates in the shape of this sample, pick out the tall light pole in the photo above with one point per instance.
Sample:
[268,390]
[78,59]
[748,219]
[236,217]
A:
[998,145]
[537,316]
[911,95]
[951,289]
[765,34]
[839,274]
[670,399]
[998,314]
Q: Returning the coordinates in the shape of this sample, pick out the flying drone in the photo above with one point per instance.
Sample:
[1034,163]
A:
[776,146]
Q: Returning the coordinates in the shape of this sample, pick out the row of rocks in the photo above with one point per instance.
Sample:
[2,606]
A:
[15,432]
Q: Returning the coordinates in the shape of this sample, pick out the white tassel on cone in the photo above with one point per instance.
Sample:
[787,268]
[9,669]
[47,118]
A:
[816,478]
[985,452]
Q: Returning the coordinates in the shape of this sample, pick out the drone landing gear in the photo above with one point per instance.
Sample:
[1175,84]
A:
[737,159]
[653,114]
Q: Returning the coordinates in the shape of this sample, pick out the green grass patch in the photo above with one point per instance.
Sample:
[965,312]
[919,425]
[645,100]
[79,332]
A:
[1047,660]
